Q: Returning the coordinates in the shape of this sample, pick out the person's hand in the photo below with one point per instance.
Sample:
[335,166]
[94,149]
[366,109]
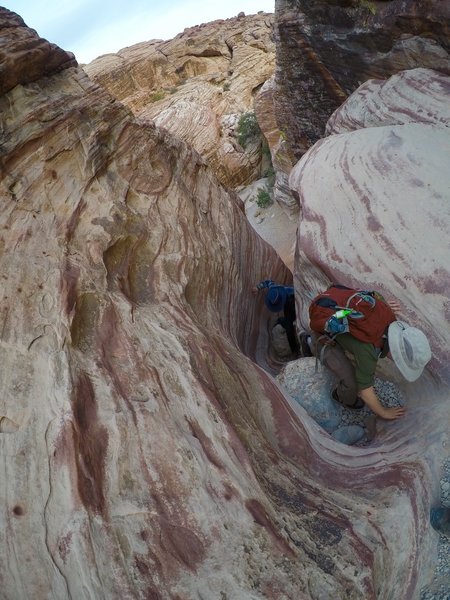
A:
[254,290]
[394,306]
[393,413]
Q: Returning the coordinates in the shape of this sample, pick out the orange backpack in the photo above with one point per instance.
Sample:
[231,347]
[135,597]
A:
[367,321]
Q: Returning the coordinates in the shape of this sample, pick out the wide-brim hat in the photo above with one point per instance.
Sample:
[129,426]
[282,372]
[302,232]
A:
[276,298]
[409,349]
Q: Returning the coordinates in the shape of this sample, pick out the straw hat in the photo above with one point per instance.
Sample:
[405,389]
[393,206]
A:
[409,348]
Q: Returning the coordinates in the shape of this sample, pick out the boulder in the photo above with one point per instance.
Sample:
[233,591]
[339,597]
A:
[309,385]
[375,197]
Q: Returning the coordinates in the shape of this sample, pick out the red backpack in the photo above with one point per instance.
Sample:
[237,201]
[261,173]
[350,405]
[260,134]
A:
[368,320]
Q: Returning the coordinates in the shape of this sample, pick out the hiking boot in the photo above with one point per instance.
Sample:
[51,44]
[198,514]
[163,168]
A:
[305,349]
[440,520]
[357,405]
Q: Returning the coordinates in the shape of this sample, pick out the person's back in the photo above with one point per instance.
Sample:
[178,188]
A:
[364,325]
[281,298]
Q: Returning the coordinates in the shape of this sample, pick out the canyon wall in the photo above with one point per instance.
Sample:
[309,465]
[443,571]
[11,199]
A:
[327,48]
[197,85]
[146,450]
[373,200]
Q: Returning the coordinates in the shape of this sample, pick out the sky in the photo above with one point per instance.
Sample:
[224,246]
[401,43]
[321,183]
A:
[90,28]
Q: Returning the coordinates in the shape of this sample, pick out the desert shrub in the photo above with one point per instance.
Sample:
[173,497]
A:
[263,198]
[265,150]
[369,6]
[267,166]
[270,174]
[159,95]
[226,87]
[247,128]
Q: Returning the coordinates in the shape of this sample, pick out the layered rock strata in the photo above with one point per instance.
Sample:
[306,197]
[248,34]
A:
[197,85]
[413,96]
[378,196]
[25,57]
[326,49]
[145,451]
[374,206]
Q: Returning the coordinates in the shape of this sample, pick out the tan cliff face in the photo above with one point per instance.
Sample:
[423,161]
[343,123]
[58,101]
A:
[197,85]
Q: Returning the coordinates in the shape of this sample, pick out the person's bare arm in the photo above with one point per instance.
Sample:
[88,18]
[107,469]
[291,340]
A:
[371,399]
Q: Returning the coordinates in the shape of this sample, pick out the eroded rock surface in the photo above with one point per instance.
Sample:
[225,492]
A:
[413,96]
[24,56]
[378,196]
[374,214]
[148,452]
[197,85]
[326,50]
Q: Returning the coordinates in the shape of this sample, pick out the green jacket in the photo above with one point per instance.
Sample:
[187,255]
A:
[366,357]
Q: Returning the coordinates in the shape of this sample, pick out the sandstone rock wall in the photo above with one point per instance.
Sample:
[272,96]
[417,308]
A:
[376,196]
[146,451]
[374,215]
[326,49]
[197,85]
[25,57]
[413,96]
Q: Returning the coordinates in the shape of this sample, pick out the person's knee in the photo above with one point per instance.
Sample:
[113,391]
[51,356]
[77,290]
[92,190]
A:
[350,388]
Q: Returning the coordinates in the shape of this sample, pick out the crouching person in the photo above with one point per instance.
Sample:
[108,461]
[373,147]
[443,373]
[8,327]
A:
[363,325]
[281,299]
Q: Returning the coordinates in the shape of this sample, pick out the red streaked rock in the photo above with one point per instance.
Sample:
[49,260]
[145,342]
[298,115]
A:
[25,57]
[155,456]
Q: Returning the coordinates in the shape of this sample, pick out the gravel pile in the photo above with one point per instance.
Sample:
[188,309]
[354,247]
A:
[390,396]
[440,586]
[312,388]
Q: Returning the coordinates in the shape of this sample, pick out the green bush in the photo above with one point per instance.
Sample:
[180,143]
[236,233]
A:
[247,129]
[226,86]
[268,170]
[263,198]
[270,174]
[265,150]
[159,95]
